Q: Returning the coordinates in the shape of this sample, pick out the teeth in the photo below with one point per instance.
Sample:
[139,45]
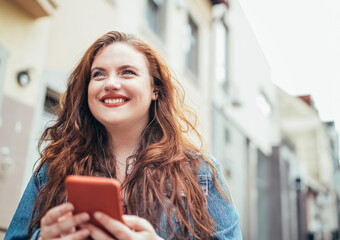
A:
[116,100]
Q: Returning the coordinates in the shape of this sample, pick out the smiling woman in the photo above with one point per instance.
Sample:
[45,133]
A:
[123,117]
[121,90]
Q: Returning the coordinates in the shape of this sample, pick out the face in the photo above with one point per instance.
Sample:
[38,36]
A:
[121,89]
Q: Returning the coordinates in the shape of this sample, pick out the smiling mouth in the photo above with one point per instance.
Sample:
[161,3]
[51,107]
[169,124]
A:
[114,100]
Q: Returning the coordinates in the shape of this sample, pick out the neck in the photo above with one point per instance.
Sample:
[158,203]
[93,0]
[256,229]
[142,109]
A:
[125,141]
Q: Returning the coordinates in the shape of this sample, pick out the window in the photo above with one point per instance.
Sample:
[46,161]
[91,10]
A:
[192,46]
[226,135]
[222,138]
[221,55]
[263,187]
[264,104]
[49,113]
[51,104]
[155,16]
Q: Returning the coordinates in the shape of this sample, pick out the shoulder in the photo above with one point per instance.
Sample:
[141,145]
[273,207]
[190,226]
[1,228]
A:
[41,175]
[222,210]
[208,168]
[210,174]
[206,163]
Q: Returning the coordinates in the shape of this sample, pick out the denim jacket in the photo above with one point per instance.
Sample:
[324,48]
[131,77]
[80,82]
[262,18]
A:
[223,213]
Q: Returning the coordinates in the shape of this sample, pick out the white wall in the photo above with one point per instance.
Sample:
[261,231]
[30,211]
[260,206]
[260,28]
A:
[249,75]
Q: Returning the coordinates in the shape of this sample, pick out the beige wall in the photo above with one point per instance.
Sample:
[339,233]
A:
[14,136]
[74,27]
[25,40]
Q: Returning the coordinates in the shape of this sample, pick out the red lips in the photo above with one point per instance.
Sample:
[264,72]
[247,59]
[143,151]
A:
[114,100]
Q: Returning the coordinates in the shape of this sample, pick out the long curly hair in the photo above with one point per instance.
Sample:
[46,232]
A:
[166,162]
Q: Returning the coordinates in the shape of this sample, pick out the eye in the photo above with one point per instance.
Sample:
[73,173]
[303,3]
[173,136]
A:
[97,74]
[128,72]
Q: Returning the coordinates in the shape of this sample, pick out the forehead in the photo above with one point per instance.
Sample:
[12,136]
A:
[120,53]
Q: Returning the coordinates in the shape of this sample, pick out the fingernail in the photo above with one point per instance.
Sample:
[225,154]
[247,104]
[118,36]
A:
[70,206]
[85,216]
[98,215]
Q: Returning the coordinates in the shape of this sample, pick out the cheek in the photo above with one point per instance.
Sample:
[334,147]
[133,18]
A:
[91,96]
[92,91]
[140,91]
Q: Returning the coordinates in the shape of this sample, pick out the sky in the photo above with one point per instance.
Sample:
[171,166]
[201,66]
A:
[301,41]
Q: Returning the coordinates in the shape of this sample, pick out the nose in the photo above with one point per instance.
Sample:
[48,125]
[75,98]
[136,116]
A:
[112,83]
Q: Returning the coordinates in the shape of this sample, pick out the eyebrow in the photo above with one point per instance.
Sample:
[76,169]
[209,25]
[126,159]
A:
[119,68]
[127,66]
[97,68]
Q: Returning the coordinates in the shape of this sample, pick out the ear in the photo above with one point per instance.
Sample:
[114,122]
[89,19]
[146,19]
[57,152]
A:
[154,94]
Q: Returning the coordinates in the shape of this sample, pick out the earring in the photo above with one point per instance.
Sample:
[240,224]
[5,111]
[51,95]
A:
[155,91]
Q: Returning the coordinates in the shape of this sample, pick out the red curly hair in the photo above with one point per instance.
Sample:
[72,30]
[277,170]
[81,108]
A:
[166,162]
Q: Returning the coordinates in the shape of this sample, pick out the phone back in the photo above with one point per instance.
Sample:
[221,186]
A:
[90,194]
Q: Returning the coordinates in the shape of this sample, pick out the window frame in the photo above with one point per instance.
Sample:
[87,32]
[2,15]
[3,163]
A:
[51,102]
[158,31]
[193,69]
[264,104]
[225,84]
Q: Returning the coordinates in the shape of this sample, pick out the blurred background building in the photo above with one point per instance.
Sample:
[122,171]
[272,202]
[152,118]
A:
[280,159]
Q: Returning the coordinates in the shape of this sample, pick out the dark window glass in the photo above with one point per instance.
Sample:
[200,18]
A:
[155,15]
[51,104]
[192,46]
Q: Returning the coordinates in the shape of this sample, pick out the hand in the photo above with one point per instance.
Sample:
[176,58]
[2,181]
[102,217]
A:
[134,228]
[59,222]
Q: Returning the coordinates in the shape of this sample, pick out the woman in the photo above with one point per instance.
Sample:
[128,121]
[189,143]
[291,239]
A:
[122,116]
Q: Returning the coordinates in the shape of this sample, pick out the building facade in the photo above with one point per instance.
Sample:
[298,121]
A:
[211,48]
[245,127]
[317,195]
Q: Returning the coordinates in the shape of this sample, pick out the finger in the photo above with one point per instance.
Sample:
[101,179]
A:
[65,216]
[66,226]
[53,214]
[79,235]
[115,227]
[95,232]
[138,224]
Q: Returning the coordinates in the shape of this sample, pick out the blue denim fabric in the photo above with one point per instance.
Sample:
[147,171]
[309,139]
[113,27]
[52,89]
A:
[223,213]
[18,229]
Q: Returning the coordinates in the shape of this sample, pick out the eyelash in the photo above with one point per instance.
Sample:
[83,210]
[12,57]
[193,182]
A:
[95,74]
[124,72]
[130,72]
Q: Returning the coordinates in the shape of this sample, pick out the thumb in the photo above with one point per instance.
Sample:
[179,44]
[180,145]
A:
[138,224]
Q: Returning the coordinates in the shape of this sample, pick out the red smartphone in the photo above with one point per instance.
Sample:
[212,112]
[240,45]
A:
[91,194]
